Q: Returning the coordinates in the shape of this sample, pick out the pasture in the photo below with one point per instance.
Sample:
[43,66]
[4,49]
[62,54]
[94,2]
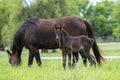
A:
[53,70]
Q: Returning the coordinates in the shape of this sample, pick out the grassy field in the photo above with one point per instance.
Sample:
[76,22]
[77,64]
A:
[52,69]
[110,49]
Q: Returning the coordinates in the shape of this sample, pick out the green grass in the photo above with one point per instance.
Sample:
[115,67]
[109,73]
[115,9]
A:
[53,70]
[110,49]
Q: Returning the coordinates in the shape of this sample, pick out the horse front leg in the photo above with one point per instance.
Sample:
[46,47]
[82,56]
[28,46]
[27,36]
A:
[30,59]
[37,57]
[64,55]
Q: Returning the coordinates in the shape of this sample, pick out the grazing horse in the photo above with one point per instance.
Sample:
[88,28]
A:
[69,44]
[37,34]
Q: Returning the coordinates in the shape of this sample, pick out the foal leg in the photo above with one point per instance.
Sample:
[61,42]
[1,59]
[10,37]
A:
[84,58]
[90,57]
[37,57]
[64,55]
[69,59]
[86,50]
[93,60]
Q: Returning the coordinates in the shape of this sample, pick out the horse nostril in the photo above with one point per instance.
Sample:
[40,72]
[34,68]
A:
[57,39]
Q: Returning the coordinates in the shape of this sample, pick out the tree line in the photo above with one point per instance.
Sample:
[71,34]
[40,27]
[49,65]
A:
[104,16]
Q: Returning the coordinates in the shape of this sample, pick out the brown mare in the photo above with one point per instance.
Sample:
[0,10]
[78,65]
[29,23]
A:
[69,44]
[37,34]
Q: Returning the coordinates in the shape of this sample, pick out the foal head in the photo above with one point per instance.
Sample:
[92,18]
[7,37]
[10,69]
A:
[61,35]
[58,34]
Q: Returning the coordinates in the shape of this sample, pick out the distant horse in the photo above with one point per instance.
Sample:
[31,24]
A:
[69,44]
[37,34]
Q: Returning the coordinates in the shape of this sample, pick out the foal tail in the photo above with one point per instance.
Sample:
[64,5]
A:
[95,48]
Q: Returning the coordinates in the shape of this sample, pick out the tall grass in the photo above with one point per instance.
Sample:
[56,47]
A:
[53,70]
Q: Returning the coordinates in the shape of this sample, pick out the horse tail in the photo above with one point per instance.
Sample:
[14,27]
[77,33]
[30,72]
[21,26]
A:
[95,47]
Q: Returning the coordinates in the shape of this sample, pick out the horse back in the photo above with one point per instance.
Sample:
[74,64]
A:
[40,33]
[86,41]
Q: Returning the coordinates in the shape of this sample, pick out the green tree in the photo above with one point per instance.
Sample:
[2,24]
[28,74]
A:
[100,17]
[54,8]
[9,9]
[116,16]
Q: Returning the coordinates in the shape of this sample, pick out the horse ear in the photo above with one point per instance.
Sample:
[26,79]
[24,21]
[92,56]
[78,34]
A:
[8,52]
[55,26]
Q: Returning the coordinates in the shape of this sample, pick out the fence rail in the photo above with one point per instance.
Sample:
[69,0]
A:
[108,39]
[56,58]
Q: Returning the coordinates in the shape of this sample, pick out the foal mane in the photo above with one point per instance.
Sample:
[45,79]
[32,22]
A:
[65,36]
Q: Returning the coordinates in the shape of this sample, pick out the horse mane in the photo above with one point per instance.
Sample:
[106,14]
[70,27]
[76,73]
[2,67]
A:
[16,44]
[31,21]
[19,35]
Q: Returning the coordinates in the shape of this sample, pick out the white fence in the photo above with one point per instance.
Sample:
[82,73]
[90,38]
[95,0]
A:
[56,58]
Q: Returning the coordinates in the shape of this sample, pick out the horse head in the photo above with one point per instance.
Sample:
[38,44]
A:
[13,58]
[58,33]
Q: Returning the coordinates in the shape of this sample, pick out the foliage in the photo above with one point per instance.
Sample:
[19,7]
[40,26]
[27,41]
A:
[53,8]
[101,18]
[8,19]
[116,15]
[116,31]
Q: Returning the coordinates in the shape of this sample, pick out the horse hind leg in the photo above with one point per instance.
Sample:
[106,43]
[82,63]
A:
[84,58]
[89,56]
[91,60]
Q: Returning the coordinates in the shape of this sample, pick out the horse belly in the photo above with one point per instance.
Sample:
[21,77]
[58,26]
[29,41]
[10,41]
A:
[76,48]
[48,46]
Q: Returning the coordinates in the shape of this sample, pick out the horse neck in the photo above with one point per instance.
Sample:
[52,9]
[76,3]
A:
[17,51]
[17,47]
[65,37]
